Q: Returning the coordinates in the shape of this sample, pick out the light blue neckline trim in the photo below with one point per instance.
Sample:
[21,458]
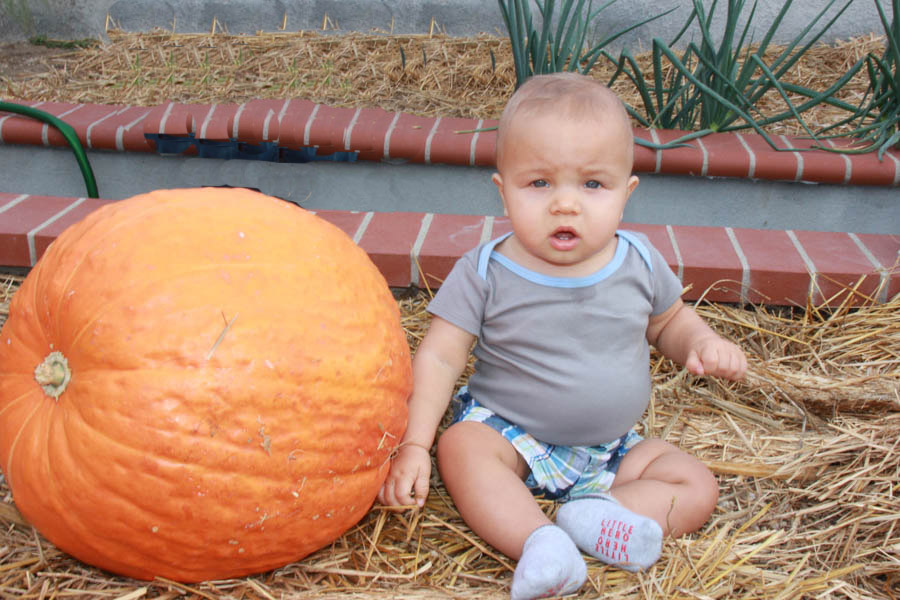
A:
[487,253]
[638,245]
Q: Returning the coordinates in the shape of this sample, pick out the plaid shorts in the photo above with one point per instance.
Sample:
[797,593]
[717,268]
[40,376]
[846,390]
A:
[557,472]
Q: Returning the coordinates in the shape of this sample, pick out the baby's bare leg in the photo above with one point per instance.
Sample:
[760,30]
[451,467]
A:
[484,475]
[658,480]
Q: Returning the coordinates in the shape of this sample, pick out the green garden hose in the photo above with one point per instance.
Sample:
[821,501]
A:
[68,132]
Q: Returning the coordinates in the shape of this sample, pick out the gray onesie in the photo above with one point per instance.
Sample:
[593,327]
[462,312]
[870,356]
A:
[566,359]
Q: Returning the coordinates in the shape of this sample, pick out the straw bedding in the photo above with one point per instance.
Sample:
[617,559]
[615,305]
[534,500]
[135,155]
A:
[807,449]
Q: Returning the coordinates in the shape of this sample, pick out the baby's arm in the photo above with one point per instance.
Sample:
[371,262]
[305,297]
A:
[680,334]
[439,361]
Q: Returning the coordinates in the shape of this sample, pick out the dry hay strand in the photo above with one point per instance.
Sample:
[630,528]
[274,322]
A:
[429,75]
[808,507]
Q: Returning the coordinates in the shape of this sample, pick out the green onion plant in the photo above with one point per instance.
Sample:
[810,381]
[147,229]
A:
[715,86]
[877,117]
[561,44]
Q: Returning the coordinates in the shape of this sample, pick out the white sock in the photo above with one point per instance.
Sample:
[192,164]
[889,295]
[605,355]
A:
[550,565]
[611,533]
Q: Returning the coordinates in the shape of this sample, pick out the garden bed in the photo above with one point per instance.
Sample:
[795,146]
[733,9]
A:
[425,75]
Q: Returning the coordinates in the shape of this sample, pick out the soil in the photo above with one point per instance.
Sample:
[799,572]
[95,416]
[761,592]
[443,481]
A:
[21,59]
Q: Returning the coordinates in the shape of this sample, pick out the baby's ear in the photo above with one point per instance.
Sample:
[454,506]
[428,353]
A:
[498,181]
[633,182]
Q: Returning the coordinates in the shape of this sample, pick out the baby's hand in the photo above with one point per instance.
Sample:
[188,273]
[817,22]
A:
[712,355]
[407,481]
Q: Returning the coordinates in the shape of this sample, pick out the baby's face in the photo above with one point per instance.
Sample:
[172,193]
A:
[564,183]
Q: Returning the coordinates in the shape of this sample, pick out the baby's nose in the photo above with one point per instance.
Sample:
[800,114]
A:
[566,201]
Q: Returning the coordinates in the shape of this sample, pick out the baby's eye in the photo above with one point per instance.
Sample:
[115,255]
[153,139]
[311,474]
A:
[539,183]
[593,184]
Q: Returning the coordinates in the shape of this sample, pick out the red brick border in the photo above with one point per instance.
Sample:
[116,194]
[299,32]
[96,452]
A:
[375,135]
[717,263]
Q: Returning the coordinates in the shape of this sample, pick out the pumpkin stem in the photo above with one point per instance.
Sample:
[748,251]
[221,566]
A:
[53,374]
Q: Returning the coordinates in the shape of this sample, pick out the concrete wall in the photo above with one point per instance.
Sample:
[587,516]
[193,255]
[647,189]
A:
[72,19]
[385,187]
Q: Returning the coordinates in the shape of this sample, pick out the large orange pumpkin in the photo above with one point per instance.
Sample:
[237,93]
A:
[200,384]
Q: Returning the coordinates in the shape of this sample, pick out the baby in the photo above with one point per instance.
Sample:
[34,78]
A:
[563,310]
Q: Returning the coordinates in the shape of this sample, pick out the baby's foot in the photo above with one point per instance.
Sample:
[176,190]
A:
[550,566]
[611,533]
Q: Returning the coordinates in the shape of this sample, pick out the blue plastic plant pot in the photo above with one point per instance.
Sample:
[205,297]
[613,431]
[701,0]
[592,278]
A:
[170,144]
[267,151]
[298,155]
[309,154]
[336,157]
[211,149]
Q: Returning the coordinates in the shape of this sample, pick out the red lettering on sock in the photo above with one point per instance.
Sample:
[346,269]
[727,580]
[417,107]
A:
[612,543]
[608,548]
[554,591]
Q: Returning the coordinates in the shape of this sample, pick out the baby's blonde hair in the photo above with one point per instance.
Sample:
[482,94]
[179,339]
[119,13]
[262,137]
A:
[574,95]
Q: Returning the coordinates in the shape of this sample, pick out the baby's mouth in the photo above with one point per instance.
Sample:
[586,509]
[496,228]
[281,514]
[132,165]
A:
[565,234]
[564,238]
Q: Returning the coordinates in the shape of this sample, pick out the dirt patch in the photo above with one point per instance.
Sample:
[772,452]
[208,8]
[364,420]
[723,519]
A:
[24,59]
